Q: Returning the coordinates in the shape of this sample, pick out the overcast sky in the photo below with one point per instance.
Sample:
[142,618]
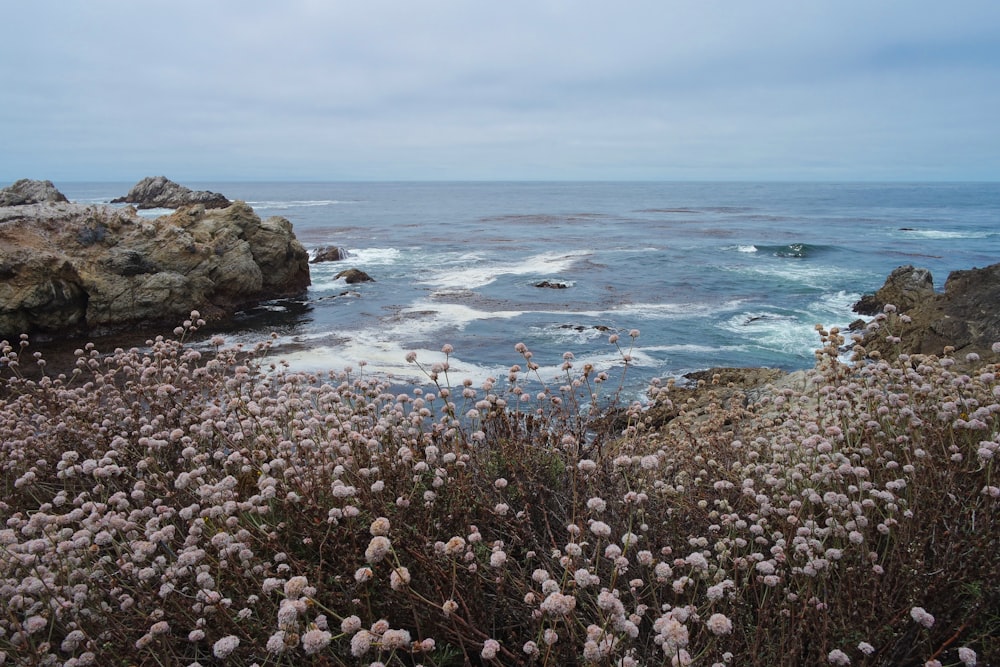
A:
[223,90]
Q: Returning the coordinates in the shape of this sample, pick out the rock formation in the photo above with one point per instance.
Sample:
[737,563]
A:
[161,192]
[329,253]
[76,268]
[966,316]
[26,191]
[905,287]
[352,276]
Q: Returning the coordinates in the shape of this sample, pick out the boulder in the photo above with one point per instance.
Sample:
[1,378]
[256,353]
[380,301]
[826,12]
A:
[551,285]
[161,192]
[329,253]
[26,191]
[83,269]
[352,276]
[965,316]
[905,287]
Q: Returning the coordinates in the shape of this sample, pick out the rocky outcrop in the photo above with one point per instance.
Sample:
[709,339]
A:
[966,316]
[77,268]
[329,253]
[549,284]
[26,191]
[161,192]
[352,276]
[905,287]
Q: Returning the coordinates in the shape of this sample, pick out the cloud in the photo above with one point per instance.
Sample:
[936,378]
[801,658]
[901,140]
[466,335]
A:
[546,89]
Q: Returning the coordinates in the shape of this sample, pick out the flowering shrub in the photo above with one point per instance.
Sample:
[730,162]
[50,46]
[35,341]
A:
[169,506]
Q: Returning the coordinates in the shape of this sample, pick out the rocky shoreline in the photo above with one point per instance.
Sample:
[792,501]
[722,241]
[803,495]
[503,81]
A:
[68,268]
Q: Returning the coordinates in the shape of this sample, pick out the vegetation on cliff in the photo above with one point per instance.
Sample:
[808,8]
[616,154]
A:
[177,506]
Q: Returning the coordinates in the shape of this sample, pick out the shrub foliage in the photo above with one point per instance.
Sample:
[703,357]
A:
[185,504]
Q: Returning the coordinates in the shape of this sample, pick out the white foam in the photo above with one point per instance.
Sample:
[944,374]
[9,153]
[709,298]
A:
[694,349]
[426,317]
[942,234]
[155,212]
[481,274]
[746,248]
[374,256]
[282,205]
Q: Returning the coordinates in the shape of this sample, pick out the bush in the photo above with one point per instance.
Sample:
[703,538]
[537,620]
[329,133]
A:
[168,506]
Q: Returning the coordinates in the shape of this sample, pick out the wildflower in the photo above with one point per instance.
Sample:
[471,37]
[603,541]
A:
[597,505]
[866,648]
[837,657]
[222,648]
[449,607]
[276,642]
[967,656]
[719,624]
[295,586]
[395,640]
[315,641]
[530,648]
[558,604]
[399,578]
[360,643]
[34,624]
[377,549]
[681,659]
[920,615]
[455,546]
[498,558]
[600,529]
[350,625]
[490,648]
[363,574]
[380,526]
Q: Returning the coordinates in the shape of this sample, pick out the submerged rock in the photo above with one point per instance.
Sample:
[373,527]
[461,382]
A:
[26,191]
[352,276]
[161,192]
[77,268]
[329,253]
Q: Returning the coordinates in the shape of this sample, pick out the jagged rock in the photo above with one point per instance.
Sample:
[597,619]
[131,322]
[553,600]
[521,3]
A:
[551,285]
[77,268]
[352,276]
[904,287]
[26,191]
[329,253]
[965,316]
[161,192]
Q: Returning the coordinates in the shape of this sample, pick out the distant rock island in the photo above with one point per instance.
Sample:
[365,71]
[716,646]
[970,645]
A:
[161,192]
[67,267]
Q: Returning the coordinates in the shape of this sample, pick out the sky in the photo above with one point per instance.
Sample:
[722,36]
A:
[331,90]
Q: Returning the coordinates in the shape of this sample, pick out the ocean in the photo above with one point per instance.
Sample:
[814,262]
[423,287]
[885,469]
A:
[710,274]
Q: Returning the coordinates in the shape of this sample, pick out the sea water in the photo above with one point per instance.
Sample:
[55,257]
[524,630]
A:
[710,274]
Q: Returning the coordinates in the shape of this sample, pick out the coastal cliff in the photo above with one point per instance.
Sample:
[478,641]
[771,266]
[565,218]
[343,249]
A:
[68,267]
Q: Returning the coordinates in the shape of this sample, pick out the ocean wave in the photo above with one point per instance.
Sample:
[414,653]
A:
[374,256]
[307,203]
[942,234]
[794,250]
[480,274]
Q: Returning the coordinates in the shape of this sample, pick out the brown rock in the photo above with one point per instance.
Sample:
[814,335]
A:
[966,316]
[26,191]
[352,276]
[70,267]
[905,287]
[161,192]
[329,253]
